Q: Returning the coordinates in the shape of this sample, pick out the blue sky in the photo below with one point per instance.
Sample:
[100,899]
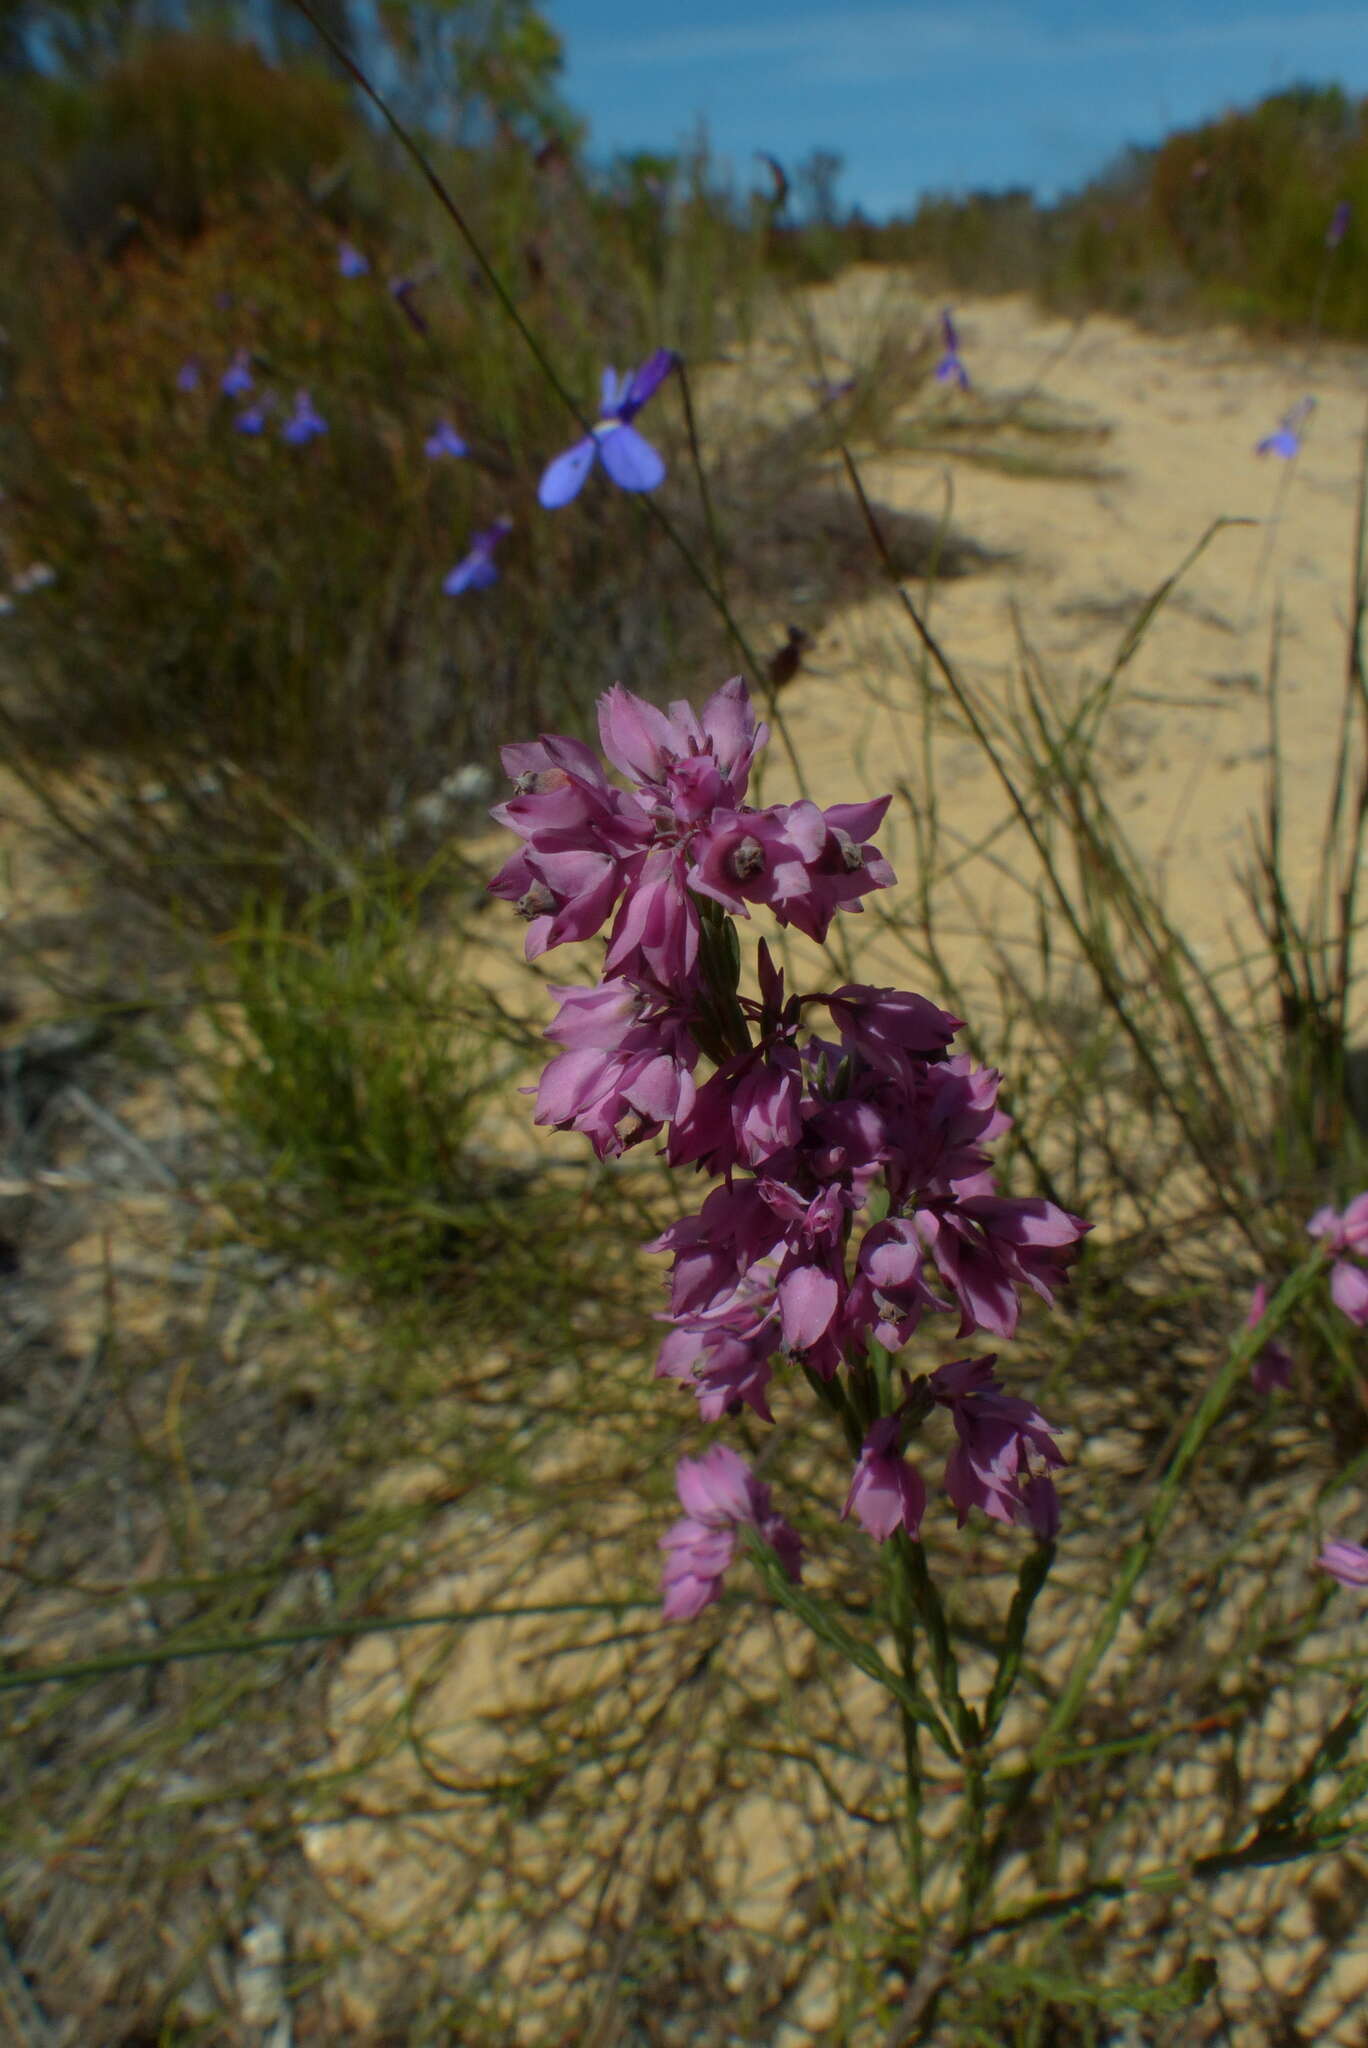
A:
[918,97]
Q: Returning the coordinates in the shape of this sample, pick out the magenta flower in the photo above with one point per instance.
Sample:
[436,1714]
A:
[890,1296]
[1346,1234]
[629,1060]
[950,369]
[630,461]
[236,380]
[998,1434]
[1347,1562]
[886,1493]
[987,1247]
[477,568]
[304,423]
[719,1494]
[1273,1366]
[803,863]
[1286,439]
[443,441]
[351,262]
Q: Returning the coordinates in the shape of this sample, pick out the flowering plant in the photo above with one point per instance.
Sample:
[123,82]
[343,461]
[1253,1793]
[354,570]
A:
[856,1196]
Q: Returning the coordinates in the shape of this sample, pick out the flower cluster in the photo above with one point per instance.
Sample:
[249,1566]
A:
[855,1195]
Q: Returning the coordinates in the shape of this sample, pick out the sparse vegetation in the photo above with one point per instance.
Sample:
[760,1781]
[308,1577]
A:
[336,1693]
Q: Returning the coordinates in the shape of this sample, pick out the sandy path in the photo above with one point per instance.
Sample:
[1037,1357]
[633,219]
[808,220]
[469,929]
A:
[1185,748]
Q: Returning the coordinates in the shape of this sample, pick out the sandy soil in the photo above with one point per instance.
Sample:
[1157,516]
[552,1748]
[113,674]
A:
[1175,422]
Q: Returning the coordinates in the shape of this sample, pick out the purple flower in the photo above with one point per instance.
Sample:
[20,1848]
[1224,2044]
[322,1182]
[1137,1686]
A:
[890,1296]
[805,864]
[630,461]
[950,369]
[886,1493]
[1273,1366]
[188,375]
[444,440]
[252,419]
[477,570]
[1347,1235]
[1286,439]
[1347,1562]
[236,380]
[987,1247]
[1339,224]
[304,424]
[351,262]
[719,1494]
[628,1059]
[998,1434]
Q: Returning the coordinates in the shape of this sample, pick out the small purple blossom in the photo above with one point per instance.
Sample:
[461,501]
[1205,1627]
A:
[950,369]
[189,375]
[304,423]
[443,441]
[1286,439]
[630,461]
[1347,1562]
[236,380]
[719,1494]
[998,1435]
[477,568]
[351,262]
[1347,1236]
[251,420]
[886,1492]
[1339,224]
[1273,1366]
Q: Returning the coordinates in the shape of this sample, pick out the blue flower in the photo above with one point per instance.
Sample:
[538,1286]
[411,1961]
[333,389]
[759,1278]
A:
[188,375]
[630,461]
[304,423]
[351,262]
[236,380]
[252,420]
[950,369]
[476,571]
[1286,439]
[444,440]
[1339,224]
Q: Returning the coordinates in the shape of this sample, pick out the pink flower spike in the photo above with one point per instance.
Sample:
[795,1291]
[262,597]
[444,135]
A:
[886,1493]
[1347,1562]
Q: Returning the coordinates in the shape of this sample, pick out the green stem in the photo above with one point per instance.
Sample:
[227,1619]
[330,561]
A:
[1206,1415]
[148,1656]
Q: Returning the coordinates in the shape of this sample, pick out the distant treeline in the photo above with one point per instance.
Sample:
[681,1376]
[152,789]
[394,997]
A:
[1236,219]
